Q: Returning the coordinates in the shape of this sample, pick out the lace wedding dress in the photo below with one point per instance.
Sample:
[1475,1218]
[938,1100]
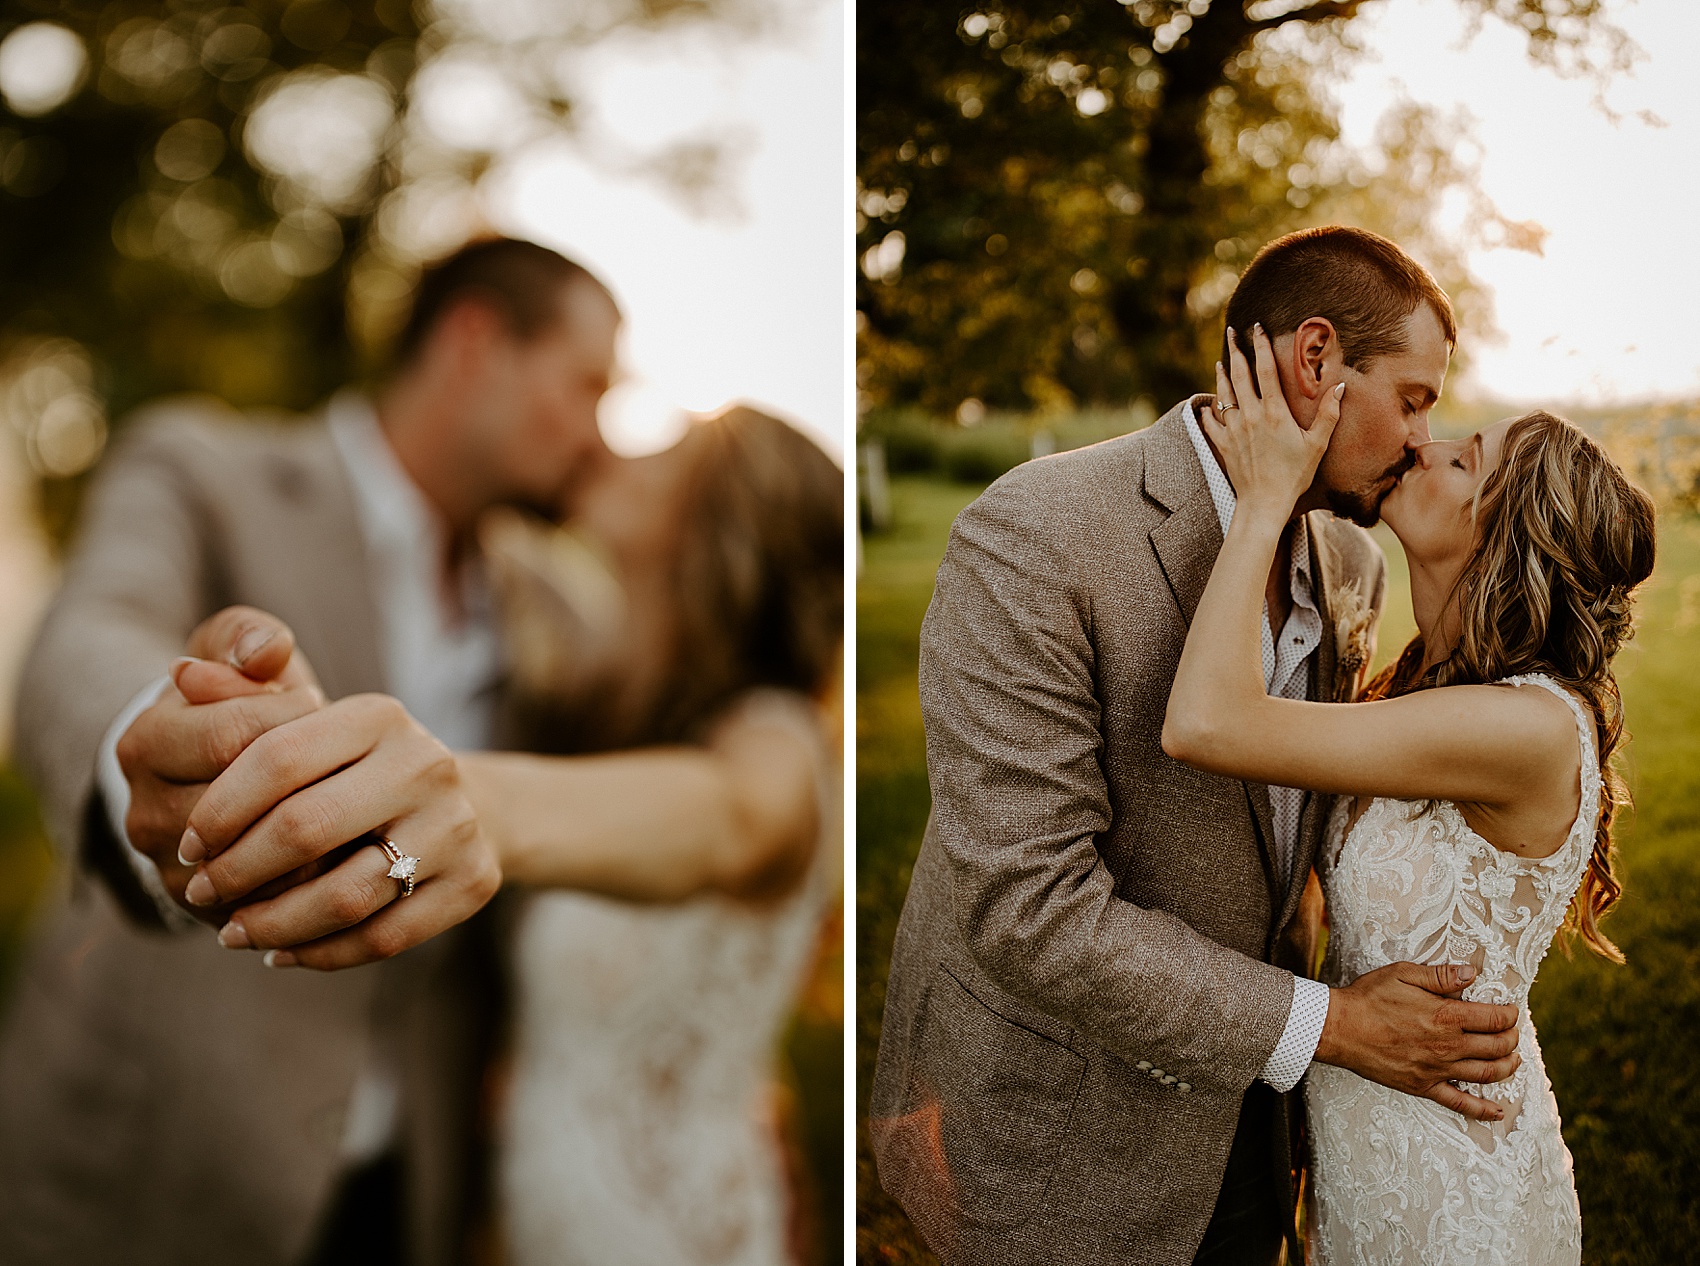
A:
[1398,1180]
[637,1130]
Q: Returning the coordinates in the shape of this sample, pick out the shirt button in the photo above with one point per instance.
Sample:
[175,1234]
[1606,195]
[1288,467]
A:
[1169,1081]
[1144,1065]
[1183,1088]
[1157,1073]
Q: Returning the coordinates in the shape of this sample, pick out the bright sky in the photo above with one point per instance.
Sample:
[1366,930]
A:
[746,303]
[1604,316]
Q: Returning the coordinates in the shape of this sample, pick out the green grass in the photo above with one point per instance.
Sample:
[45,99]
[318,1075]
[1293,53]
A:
[1619,1041]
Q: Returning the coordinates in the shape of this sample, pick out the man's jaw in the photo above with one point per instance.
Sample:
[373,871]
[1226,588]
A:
[1364,507]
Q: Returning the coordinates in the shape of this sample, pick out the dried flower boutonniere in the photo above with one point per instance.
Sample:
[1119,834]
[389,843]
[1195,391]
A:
[1354,641]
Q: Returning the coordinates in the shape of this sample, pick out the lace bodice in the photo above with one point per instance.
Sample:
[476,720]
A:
[638,1129]
[1400,1179]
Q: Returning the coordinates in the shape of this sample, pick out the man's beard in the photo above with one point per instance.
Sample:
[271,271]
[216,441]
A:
[1364,508]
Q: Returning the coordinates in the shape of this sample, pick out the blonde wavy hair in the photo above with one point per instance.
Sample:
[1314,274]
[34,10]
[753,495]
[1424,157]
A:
[753,583]
[1563,540]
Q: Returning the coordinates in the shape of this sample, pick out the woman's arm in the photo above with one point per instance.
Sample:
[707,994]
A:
[738,815]
[1475,744]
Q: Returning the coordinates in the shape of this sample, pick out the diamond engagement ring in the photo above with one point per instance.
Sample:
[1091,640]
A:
[1223,408]
[401,865]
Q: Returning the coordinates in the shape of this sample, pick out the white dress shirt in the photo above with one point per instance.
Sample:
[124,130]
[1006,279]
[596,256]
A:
[1287,667]
[444,664]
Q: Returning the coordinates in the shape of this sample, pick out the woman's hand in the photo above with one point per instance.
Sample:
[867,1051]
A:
[1269,458]
[354,769]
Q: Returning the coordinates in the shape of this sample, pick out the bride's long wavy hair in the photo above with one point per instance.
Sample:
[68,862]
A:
[1563,539]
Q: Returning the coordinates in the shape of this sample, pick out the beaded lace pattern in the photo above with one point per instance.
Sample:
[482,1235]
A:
[639,1127]
[1399,1180]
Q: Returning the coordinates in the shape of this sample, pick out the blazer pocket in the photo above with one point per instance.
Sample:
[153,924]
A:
[1005,1096]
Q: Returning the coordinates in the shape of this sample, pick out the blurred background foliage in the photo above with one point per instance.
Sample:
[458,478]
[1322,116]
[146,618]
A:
[1054,199]
[233,199]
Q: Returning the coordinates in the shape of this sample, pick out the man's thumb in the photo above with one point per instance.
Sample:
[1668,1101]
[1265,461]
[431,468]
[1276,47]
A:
[1449,978]
[254,642]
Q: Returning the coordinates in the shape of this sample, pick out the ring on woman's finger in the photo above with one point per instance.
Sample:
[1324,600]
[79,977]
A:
[1223,408]
[402,867]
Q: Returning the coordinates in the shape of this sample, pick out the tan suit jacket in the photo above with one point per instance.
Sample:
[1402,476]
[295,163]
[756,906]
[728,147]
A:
[163,1100]
[1085,979]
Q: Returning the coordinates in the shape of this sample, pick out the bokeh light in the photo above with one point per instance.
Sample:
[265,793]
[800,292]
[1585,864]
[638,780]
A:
[42,64]
[1600,315]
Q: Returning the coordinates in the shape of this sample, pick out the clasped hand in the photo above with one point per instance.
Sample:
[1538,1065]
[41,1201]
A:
[260,802]
[1268,457]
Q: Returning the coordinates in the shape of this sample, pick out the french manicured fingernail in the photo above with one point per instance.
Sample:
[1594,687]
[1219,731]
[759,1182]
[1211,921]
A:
[1340,390]
[234,936]
[200,891]
[249,644]
[279,958]
[193,849]
[1257,327]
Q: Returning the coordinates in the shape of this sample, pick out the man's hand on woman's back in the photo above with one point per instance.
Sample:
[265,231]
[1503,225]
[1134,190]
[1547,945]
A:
[1406,1026]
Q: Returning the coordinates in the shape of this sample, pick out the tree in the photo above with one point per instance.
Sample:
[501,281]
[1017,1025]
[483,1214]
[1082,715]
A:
[196,197]
[1054,198]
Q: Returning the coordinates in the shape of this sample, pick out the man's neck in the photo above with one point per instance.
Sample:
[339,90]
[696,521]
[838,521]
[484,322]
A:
[415,426]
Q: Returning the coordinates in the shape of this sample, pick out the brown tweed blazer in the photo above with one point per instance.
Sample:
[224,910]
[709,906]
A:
[1086,911]
[162,1100]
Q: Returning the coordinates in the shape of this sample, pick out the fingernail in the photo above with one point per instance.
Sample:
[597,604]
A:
[1465,974]
[1340,390]
[193,850]
[234,936]
[249,644]
[279,958]
[179,664]
[200,891]
[1257,327]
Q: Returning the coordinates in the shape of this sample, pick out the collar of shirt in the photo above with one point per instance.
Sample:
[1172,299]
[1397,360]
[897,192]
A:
[1303,629]
[443,668]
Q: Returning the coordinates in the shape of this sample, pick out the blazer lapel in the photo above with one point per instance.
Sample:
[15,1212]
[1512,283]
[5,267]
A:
[1186,544]
[1188,541]
[333,610]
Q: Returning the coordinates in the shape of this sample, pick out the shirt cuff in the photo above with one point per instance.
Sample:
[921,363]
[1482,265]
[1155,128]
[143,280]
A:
[1293,1053]
[115,795]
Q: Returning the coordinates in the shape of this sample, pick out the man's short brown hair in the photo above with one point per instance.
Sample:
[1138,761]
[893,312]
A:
[521,280]
[1360,282]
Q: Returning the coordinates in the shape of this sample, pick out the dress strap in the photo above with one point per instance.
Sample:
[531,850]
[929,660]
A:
[1588,806]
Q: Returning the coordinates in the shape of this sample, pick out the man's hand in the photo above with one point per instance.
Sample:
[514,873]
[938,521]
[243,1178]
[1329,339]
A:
[172,751]
[1405,1026]
[327,779]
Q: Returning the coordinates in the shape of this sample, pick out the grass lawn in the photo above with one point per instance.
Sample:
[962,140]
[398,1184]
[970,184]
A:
[1619,1041]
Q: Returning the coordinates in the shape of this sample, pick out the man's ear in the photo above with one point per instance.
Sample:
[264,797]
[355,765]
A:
[1315,357]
